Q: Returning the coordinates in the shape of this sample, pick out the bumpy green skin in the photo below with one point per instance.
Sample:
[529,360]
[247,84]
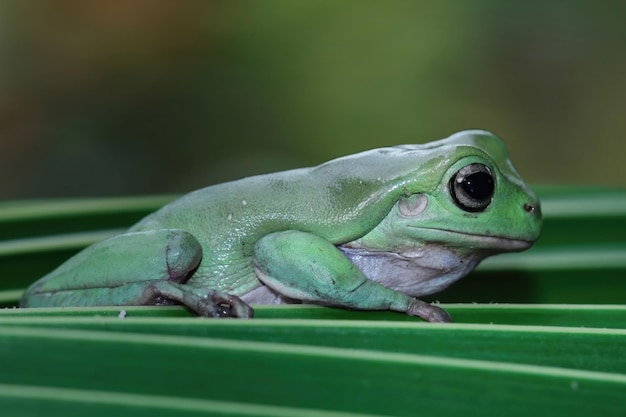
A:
[286,233]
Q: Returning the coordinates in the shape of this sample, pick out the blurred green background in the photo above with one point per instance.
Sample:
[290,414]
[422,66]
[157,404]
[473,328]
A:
[157,96]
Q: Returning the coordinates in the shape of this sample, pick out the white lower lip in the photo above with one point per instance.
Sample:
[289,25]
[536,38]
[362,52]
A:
[488,242]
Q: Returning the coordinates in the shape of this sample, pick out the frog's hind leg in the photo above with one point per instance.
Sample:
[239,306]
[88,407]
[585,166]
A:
[139,268]
[304,266]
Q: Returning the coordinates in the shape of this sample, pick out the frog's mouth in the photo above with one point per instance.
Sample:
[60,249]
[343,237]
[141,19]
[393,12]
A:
[469,241]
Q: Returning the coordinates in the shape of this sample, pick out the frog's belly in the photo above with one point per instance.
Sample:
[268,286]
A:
[266,295]
[423,271]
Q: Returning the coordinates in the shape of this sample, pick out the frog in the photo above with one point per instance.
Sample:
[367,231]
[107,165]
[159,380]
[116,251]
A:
[376,230]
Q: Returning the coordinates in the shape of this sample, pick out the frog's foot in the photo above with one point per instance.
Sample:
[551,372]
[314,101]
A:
[219,304]
[204,302]
[428,312]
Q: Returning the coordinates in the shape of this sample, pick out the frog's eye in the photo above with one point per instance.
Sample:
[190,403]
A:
[472,187]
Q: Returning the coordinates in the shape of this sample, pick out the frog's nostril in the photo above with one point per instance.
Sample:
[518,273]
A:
[529,208]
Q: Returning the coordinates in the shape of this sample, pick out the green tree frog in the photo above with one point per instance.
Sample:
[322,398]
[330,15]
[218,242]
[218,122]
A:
[369,231]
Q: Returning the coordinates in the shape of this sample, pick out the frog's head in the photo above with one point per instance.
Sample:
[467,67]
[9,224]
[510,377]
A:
[473,201]
[452,203]
[481,194]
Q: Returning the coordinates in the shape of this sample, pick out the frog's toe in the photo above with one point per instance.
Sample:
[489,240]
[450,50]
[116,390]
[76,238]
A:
[218,304]
[439,315]
[241,309]
[428,312]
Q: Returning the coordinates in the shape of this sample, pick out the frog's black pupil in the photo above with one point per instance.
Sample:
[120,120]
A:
[478,185]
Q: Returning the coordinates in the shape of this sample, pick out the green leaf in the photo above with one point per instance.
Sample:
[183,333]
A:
[535,333]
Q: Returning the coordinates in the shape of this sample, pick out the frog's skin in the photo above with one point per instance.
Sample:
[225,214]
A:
[368,231]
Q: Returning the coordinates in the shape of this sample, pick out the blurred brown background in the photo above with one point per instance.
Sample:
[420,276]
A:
[157,96]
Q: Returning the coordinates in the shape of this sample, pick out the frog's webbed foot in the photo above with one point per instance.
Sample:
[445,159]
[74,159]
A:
[219,304]
[202,301]
[428,312]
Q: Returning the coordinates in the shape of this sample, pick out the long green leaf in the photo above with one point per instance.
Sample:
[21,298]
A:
[533,357]
[273,374]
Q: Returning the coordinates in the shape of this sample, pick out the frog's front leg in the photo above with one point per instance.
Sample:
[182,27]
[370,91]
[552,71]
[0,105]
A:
[140,268]
[306,267]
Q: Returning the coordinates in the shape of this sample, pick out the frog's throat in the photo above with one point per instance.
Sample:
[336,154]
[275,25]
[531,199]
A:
[431,270]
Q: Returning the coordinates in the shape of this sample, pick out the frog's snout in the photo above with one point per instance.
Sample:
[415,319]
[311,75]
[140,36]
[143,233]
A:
[530,208]
[531,205]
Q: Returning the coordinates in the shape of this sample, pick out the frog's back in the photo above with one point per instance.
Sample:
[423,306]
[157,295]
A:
[249,208]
